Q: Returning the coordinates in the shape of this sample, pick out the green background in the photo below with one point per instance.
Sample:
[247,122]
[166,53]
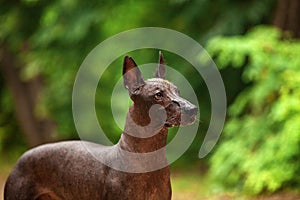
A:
[253,42]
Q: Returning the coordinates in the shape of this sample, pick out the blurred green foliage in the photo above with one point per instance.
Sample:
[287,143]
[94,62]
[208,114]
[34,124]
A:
[259,150]
[51,38]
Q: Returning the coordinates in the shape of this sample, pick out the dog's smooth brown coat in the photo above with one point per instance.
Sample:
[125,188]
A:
[66,170]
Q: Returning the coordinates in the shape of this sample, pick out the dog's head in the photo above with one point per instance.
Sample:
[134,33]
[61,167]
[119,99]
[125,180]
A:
[157,91]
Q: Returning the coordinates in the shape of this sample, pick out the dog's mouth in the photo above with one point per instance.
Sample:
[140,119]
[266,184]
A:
[180,121]
[188,120]
[169,125]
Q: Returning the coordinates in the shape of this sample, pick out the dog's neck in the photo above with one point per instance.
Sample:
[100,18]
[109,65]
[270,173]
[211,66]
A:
[138,135]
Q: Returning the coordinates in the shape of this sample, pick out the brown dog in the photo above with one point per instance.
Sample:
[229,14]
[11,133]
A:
[67,170]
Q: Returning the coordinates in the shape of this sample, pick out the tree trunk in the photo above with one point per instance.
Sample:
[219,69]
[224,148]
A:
[25,97]
[287,16]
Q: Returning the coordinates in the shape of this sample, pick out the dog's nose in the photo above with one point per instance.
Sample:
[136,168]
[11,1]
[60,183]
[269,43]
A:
[187,107]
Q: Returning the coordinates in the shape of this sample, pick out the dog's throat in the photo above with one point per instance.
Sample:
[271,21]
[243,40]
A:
[144,145]
[139,115]
[142,139]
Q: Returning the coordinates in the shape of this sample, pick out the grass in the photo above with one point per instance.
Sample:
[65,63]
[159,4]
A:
[193,184]
[187,185]
[5,168]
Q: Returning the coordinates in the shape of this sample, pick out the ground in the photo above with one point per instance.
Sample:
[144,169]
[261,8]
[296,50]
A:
[192,185]
[2,181]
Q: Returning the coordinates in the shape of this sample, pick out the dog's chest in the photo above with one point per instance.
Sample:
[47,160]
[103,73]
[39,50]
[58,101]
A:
[146,186]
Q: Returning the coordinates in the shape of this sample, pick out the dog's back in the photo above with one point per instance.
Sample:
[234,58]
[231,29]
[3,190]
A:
[34,175]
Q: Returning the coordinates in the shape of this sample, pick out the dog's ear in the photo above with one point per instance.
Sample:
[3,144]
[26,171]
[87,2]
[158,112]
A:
[161,69]
[132,76]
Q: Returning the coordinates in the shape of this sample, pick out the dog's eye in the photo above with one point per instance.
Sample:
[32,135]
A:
[158,95]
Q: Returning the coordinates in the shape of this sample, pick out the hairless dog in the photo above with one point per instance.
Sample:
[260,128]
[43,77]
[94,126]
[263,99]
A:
[67,170]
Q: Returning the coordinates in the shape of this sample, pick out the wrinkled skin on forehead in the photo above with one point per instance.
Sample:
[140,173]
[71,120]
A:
[155,85]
